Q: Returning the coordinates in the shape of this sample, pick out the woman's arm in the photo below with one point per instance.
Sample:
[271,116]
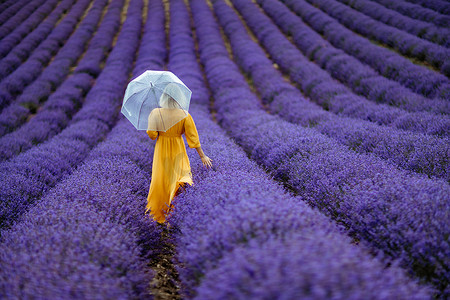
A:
[207,162]
[152,134]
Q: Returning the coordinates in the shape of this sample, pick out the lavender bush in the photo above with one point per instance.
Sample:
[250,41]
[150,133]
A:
[375,201]
[55,114]
[79,247]
[223,213]
[356,75]
[422,30]
[26,8]
[438,5]
[387,63]
[14,84]
[417,12]
[12,58]
[26,26]
[31,174]
[405,43]
[56,72]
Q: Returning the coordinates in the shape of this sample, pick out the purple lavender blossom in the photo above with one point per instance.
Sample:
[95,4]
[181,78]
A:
[31,174]
[416,152]
[438,5]
[387,63]
[223,211]
[12,24]
[403,42]
[25,27]
[73,242]
[420,29]
[417,12]
[329,176]
[14,84]
[55,114]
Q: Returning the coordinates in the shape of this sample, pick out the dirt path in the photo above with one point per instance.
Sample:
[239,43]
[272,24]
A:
[165,284]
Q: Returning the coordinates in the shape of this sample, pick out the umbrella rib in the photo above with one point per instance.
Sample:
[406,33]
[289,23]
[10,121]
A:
[140,108]
[159,110]
[160,115]
[160,76]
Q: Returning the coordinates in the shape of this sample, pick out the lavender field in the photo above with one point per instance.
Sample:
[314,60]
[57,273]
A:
[328,123]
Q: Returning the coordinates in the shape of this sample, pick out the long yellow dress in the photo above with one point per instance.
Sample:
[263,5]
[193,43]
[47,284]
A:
[170,167]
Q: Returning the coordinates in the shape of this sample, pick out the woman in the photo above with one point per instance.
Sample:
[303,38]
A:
[170,168]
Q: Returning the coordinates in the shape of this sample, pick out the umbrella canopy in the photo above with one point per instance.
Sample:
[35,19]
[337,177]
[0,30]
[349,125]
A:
[156,100]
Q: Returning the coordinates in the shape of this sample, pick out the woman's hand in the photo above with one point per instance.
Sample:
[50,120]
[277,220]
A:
[207,162]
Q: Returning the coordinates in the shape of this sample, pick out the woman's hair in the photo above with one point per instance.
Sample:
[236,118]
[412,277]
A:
[167,101]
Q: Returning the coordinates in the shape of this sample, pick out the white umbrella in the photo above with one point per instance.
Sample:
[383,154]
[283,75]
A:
[156,100]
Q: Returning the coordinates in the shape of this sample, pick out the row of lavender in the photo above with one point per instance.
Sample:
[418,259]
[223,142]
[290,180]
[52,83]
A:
[420,29]
[418,12]
[358,191]
[359,77]
[27,72]
[22,29]
[403,42]
[417,152]
[115,157]
[388,63]
[30,174]
[8,9]
[88,237]
[238,241]
[102,234]
[33,95]
[437,5]
[62,104]
[14,17]
[14,55]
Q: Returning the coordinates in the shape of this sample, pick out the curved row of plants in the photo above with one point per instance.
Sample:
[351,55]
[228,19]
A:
[417,12]
[54,115]
[401,41]
[375,201]
[437,5]
[22,29]
[387,63]
[416,152]
[20,13]
[12,58]
[424,30]
[30,174]
[361,78]
[226,219]
[14,84]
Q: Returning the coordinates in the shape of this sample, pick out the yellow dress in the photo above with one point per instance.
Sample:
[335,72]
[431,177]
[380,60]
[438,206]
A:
[170,167]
